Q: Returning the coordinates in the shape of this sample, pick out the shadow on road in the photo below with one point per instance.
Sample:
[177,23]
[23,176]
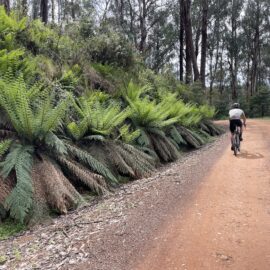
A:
[249,155]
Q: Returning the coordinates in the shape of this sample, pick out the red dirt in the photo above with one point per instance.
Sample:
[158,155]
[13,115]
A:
[226,224]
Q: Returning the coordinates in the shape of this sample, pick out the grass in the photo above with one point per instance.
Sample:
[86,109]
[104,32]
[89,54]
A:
[9,228]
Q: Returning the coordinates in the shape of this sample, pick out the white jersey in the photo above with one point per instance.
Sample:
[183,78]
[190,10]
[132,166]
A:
[236,113]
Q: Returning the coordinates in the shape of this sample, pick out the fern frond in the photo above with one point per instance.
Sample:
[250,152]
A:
[93,181]
[117,159]
[143,139]
[164,147]
[188,136]
[141,163]
[4,146]
[20,201]
[55,144]
[90,161]
[128,136]
[176,136]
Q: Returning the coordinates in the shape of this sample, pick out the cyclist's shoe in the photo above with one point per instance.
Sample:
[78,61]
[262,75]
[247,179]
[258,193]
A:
[241,139]
[232,148]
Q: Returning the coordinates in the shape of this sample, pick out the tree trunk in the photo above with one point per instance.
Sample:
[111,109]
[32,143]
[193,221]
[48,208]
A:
[197,39]
[142,20]
[233,56]
[44,12]
[204,40]
[181,41]
[53,11]
[190,52]
[119,5]
[211,78]
[131,26]
[36,9]
[221,70]
[60,9]
[255,54]
[248,79]
[73,15]
[24,8]
[6,5]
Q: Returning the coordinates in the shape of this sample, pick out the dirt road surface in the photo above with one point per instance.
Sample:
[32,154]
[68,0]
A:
[209,210]
[226,225]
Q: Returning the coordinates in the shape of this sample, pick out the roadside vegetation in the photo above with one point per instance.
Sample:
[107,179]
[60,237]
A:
[72,123]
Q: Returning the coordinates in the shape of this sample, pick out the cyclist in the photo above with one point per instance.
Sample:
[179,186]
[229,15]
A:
[236,114]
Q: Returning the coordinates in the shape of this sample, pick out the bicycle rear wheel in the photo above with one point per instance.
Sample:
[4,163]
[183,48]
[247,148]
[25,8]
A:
[236,145]
[235,150]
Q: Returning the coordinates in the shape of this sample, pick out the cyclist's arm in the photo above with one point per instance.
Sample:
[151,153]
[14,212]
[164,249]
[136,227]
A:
[243,116]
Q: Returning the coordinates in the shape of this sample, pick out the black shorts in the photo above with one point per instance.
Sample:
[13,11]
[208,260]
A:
[235,123]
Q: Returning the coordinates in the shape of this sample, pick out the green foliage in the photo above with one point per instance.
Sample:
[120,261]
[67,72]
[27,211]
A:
[10,26]
[97,118]
[134,91]
[4,146]
[150,114]
[110,48]
[92,140]
[71,77]
[127,135]
[207,112]
[9,228]
[10,60]
[260,103]
[20,201]
[33,120]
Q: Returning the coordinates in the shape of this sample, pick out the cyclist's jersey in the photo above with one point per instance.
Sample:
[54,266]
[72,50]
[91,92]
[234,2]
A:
[236,114]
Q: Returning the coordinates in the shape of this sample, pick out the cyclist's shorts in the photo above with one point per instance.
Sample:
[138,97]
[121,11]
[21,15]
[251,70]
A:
[235,123]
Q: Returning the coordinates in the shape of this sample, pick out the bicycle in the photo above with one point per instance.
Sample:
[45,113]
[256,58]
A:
[236,140]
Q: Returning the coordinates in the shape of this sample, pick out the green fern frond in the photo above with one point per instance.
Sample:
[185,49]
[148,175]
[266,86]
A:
[128,136]
[134,91]
[20,201]
[4,146]
[176,136]
[55,144]
[197,136]
[96,118]
[143,139]
[54,116]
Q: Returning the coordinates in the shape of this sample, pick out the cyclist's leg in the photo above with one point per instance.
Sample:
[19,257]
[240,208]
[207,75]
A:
[241,130]
[232,129]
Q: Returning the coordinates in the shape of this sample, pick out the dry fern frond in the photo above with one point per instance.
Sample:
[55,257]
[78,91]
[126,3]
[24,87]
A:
[94,181]
[59,193]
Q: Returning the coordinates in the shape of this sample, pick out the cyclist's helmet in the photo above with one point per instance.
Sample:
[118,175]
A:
[236,105]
